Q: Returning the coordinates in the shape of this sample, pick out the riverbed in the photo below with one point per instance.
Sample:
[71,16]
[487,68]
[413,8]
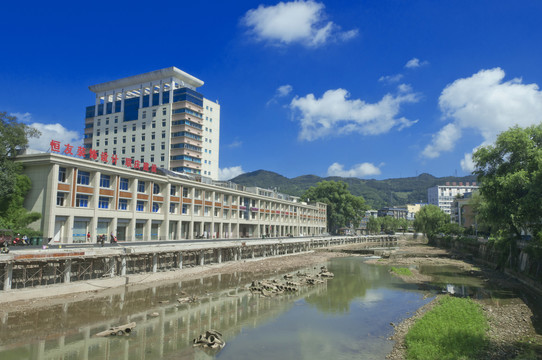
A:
[356,314]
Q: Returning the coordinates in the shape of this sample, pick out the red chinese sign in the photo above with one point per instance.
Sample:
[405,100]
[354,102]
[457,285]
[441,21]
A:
[103,157]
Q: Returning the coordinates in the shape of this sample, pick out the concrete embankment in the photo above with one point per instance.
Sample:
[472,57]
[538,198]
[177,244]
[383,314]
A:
[74,270]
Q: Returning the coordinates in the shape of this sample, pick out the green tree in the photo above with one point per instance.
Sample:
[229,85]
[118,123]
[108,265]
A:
[343,208]
[430,219]
[13,139]
[510,172]
[374,225]
[13,185]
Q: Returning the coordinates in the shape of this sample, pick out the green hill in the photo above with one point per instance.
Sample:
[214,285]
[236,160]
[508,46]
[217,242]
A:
[377,193]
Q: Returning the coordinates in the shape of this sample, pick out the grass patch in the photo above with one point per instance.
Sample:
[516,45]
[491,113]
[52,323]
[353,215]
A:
[401,271]
[454,329]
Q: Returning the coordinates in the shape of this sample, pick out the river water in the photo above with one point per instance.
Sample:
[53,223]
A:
[348,317]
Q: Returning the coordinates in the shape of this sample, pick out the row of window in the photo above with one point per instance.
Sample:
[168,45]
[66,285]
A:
[83,178]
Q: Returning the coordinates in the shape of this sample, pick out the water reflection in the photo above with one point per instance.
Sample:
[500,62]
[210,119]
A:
[346,318]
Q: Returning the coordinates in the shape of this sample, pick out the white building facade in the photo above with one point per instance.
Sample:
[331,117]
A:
[158,117]
[79,197]
[443,195]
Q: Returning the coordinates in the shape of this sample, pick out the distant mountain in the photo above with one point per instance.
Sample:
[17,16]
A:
[377,193]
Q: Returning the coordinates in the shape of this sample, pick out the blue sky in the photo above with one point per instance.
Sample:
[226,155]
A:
[370,89]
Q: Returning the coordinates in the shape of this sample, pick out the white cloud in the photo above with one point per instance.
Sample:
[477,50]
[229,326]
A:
[284,90]
[391,78]
[294,22]
[335,114]
[466,163]
[444,140]
[358,170]
[54,132]
[415,63]
[229,173]
[485,105]
[49,132]
[23,117]
[235,144]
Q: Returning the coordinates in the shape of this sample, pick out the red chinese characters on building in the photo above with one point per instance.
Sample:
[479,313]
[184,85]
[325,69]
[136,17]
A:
[104,156]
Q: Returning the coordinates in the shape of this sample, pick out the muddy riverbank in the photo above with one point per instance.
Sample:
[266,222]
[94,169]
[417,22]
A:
[514,328]
[60,294]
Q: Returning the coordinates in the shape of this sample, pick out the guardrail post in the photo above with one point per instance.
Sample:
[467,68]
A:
[123,265]
[8,276]
[154,262]
[67,271]
[180,264]
[220,256]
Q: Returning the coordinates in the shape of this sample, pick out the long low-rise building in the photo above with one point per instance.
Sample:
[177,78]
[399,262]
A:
[82,199]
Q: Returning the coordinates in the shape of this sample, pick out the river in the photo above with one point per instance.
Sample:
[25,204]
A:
[348,317]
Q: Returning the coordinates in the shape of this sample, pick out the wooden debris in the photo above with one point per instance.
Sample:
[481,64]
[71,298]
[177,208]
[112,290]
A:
[125,329]
[188,299]
[211,339]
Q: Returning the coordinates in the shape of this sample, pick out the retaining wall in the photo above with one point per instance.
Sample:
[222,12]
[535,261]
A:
[34,268]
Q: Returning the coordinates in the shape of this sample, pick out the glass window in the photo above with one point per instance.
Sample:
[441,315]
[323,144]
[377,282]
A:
[153,136]
[140,186]
[115,130]
[186,192]
[106,131]
[144,115]
[154,113]
[133,138]
[123,150]
[123,184]
[105,181]
[142,137]
[140,205]
[143,126]
[103,202]
[152,147]
[162,157]
[124,128]
[143,148]
[81,200]
[163,123]
[173,190]
[156,189]
[197,194]
[163,146]
[124,139]
[134,127]
[83,177]
[61,174]
[152,158]
[185,209]
[154,124]
[115,141]
[123,204]
[163,134]
[163,111]
[155,207]
[60,197]
[172,208]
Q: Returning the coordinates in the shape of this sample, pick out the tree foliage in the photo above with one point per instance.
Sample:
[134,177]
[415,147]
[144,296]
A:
[13,185]
[343,208]
[430,220]
[510,172]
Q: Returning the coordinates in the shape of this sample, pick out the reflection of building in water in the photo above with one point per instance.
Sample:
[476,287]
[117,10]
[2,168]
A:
[168,334]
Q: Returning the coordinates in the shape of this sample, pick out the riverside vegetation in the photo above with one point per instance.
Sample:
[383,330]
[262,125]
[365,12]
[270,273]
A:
[454,329]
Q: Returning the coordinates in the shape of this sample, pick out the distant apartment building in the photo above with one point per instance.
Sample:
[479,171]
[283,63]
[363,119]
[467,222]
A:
[444,195]
[158,117]
[462,212]
[394,212]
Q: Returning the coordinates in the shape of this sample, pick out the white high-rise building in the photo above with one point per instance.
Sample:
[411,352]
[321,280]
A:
[443,195]
[156,118]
